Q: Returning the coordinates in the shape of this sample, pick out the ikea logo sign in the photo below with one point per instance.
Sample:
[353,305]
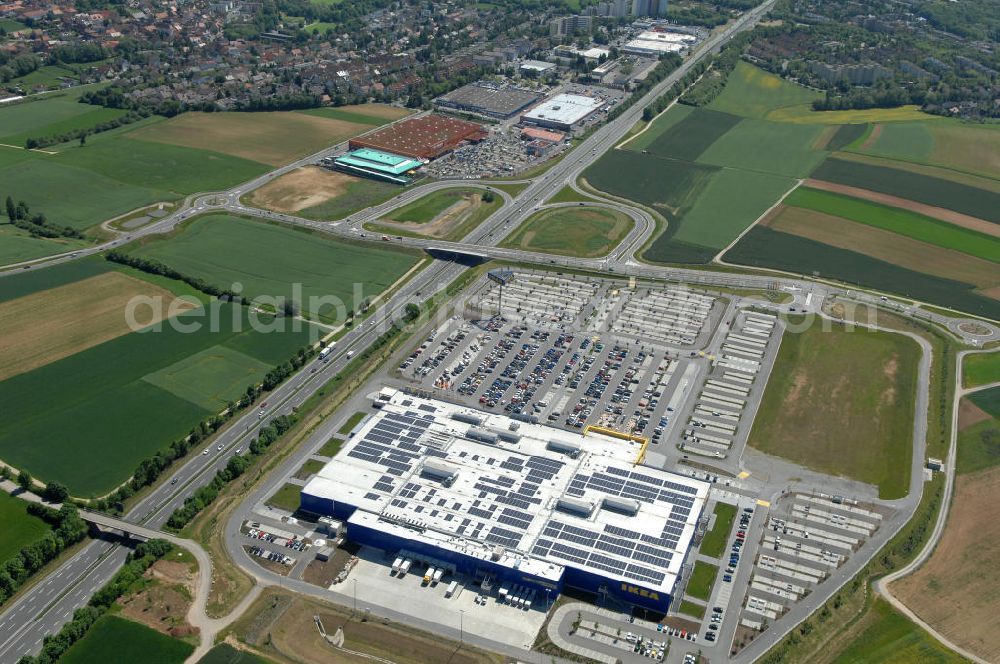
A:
[641,592]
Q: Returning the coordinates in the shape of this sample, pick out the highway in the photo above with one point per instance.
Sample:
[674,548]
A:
[50,602]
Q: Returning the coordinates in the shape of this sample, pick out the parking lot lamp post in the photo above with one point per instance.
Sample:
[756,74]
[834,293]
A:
[548,594]
[355,595]
[461,626]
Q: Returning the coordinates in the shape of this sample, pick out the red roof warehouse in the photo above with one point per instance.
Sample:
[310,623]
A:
[425,137]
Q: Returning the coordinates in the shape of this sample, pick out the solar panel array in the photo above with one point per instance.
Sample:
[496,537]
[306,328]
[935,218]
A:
[503,508]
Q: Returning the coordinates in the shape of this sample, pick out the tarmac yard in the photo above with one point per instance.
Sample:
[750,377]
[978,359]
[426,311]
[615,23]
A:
[556,357]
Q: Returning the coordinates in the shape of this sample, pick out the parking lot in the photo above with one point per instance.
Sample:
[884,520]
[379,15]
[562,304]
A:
[806,538]
[737,375]
[558,356]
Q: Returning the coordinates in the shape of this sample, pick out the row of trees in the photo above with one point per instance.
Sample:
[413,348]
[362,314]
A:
[36,224]
[81,134]
[711,84]
[664,67]
[151,266]
[237,465]
[55,646]
[114,97]
[67,529]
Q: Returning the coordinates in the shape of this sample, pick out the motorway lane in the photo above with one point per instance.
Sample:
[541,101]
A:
[47,606]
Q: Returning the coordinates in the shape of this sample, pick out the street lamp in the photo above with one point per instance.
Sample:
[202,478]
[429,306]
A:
[461,626]
[355,595]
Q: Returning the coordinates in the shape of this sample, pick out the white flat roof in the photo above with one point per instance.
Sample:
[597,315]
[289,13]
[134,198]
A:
[564,108]
[534,498]
[661,42]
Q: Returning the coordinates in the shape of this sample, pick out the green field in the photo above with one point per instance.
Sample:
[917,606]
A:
[33,281]
[947,194]
[979,446]
[669,186]
[702,578]
[585,232]
[662,124]
[767,147]
[754,93]
[210,378]
[427,208]
[732,200]
[49,116]
[310,467]
[17,245]
[764,247]
[347,116]
[115,639]
[113,175]
[688,138]
[846,135]
[272,260]
[691,609]
[988,400]
[226,654]
[19,527]
[100,416]
[981,369]
[711,172]
[827,409]
[890,638]
[714,542]
[953,144]
[286,498]
[897,220]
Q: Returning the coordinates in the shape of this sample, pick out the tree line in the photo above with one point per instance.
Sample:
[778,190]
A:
[140,560]
[36,224]
[664,68]
[67,529]
[35,142]
[237,465]
[151,266]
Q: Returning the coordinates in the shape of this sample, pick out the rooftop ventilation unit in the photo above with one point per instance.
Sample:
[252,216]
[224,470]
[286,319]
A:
[467,418]
[623,505]
[575,506]
[564,446]
[481,435]
[440,470]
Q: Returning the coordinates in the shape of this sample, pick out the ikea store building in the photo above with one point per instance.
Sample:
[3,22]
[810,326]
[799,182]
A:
[512,502]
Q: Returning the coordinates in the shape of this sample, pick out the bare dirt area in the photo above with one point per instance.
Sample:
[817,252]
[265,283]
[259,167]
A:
[872,137]
[164,602]
[963,220]
[302,188]
[322,574]
[888,246]
[273,138]
[443,224]
[384,111]
[955,590]
[78,316]
[285,630]
[970,414]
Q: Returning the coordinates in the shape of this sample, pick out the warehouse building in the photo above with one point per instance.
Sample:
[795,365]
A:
[425,137]
[492,101]
[654,43]
[378,165]
[563,112]
[512,503]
